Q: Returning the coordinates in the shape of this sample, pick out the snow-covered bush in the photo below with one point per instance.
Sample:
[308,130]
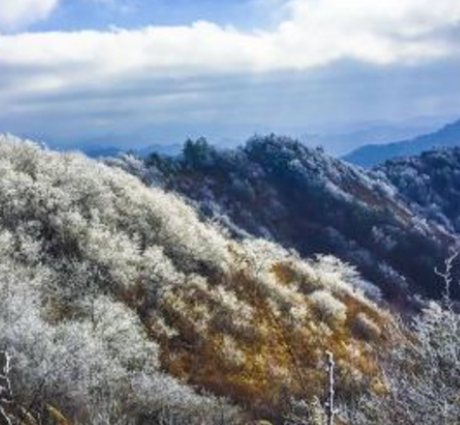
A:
[422,379]
[328,307]
[82,246]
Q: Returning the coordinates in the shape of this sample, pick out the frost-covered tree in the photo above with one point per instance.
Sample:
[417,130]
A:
[431,183]
[422,373]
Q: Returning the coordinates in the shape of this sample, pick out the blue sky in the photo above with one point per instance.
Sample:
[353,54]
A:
[134,72]
[83,14]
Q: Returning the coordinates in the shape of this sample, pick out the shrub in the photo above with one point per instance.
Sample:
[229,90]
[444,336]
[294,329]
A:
[365,328]
[327,307]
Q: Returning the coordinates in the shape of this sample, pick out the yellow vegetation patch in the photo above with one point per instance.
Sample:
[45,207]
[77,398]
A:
[275,358]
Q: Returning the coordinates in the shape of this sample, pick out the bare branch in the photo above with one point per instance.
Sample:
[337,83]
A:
[330,411]
[6,393]
[446,275]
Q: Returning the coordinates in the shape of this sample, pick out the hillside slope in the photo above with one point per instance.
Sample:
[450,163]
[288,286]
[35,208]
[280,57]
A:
[279,189]
[431,183]
[371,155]
[119,305]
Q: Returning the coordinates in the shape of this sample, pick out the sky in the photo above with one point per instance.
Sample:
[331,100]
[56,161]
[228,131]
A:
[139,72]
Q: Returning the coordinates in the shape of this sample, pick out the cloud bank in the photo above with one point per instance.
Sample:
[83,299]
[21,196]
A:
[309,34]
[315,32]
[20,13]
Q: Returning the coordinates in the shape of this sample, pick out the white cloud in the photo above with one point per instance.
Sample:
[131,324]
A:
[20,13]
[315,33]
[376,31]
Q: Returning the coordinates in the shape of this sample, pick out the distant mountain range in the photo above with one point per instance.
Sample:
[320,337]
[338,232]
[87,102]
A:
[342,142]
[371,155]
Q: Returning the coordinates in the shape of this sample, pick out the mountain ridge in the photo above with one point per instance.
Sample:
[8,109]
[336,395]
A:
[372,155]
[276,188]
[431,183]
